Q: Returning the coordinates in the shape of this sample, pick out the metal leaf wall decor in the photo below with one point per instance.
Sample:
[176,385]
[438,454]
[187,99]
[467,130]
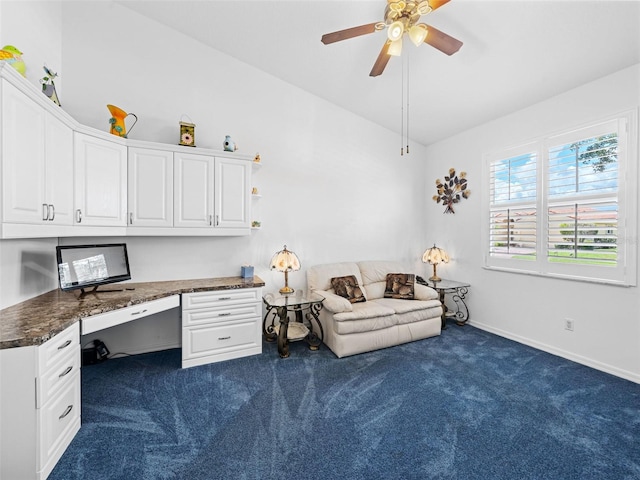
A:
[452,190]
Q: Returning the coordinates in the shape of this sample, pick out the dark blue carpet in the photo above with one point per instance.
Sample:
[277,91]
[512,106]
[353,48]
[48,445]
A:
[465,405]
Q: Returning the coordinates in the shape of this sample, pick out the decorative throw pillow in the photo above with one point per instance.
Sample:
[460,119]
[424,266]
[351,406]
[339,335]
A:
[348,288]
[400,285]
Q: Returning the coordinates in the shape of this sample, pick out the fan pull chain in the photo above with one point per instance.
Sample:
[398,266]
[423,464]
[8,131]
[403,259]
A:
[408,81]
[402,108]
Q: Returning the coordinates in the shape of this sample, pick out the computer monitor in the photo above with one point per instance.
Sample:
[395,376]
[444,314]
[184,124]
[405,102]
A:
[89,266]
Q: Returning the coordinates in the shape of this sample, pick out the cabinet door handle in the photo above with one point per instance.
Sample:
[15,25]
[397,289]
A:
[78,215]
[51,213]
[224,298]
[217,220]
[226,314]
[66,412]
[210,220]
[45,211]
[66,372]
[64,345]
[224,338]
[130,218]
[139,312]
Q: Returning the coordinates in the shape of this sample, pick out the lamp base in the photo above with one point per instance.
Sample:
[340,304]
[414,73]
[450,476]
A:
[286,290]
[435,278]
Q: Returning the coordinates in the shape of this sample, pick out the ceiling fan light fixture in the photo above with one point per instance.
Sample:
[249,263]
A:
[418,33]
[424,7]
[395,31]
[380,26]
[398,6]
[395,48]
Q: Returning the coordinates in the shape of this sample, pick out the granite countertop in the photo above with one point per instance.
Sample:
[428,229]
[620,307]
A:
[38,319]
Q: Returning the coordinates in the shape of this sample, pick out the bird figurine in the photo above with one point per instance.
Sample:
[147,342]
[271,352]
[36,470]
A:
[12,56]
[229,145]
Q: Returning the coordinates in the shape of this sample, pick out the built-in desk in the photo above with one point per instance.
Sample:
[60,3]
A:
[40,353]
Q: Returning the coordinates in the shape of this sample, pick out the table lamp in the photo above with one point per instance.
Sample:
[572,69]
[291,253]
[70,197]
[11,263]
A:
[434,256]
[285,261]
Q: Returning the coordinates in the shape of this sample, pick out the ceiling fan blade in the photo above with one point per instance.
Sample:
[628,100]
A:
[443,42]
[434,4]
[381,61]
[328,38]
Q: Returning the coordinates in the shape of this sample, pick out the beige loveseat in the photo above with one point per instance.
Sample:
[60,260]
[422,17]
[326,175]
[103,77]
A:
[379,322]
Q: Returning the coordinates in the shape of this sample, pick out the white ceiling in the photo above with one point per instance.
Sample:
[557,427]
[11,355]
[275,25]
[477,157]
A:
[515,53]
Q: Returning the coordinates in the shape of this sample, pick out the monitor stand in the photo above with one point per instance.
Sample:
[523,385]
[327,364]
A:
[95,290]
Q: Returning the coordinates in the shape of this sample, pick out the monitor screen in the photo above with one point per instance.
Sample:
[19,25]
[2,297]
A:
[87,266]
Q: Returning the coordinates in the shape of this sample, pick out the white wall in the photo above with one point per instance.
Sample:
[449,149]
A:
[528,308]
[28,268]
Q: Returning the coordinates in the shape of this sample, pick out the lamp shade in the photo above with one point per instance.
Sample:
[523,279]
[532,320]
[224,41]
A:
[285,261]
[434,256]
[418,33]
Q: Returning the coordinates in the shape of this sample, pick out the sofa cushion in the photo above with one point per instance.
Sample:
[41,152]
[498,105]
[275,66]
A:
[365,310]
[333,302]
[400,285]
[376,270]
[348,288]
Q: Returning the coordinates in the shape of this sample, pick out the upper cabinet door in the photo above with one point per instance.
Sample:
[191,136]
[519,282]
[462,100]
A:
[193,183]
[58,171]
[150,188]
[23,158]
[100,181]
[232,193]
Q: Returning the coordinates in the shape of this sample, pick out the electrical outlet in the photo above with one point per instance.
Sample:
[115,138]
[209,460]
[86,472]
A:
[568,324]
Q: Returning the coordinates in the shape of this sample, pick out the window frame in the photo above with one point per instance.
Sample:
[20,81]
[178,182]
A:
[624,273]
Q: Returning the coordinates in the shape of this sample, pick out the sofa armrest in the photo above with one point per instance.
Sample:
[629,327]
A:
[422,292]
[334,303]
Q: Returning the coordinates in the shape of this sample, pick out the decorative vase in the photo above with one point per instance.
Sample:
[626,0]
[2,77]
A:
[116,121]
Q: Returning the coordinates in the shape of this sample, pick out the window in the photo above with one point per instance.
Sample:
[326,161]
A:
[565,205]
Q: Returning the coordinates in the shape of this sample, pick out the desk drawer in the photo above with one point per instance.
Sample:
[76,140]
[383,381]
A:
[221,314]
[212,340]
[58,376]
[58,421]
[219,297]
[54,350]
[123,315]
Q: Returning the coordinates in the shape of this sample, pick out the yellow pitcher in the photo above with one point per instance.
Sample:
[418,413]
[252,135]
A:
[117,121]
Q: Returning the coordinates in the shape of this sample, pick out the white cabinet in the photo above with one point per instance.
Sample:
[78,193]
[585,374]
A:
[41,404]
[150,187]
[100,181]
[221,325]
[193,183]
[232,193]
[37,162]
[211,192]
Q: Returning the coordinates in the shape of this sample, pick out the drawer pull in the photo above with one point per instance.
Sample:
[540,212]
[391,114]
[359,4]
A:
[64,345]
[139,312]
[66,412]
[224,298]
[224,314]
[66,372]
[224,338]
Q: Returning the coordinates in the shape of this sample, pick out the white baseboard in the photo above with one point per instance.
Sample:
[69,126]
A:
[603,367]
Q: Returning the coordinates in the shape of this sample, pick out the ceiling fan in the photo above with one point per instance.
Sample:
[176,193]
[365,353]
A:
[401,17]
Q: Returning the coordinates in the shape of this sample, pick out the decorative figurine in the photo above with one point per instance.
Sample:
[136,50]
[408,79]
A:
[48,87]
[12,56]
[117,121]
[229,145]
